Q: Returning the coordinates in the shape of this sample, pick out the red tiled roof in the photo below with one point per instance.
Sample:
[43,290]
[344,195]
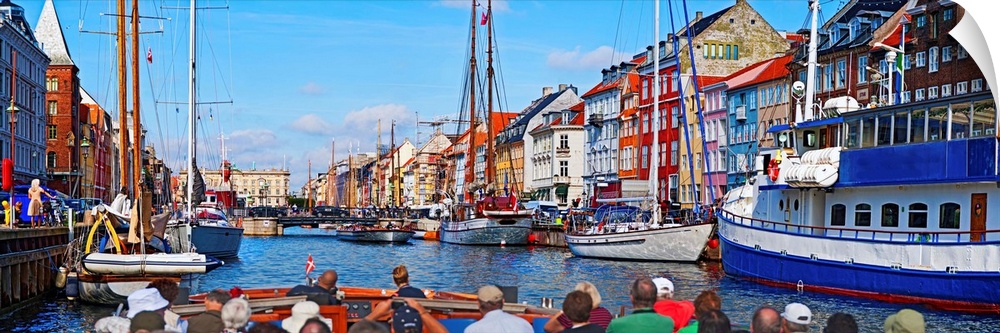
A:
[795,37]
[501,120]
[577,107]
[773,68]
[578,120]
[639,60]
[600,87]
[409,161]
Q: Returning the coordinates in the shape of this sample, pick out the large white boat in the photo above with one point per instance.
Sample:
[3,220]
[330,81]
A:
[625,232]
[893,205]
[486,226]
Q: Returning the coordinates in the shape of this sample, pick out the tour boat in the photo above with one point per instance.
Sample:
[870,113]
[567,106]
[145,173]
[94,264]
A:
[359,233]
[892,205]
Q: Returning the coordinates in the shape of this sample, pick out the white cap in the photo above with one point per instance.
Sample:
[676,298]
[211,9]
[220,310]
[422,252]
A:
[663,286]
[797,313]
[147,299]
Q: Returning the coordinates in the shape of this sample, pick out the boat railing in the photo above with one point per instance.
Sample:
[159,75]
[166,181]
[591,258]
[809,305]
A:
[901,236]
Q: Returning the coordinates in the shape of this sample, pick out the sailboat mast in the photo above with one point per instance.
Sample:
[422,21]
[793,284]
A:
[392,163]
[655,151]
[309,189]
[331,176]
[811,67]
[489,93]
[470,173]
[192,110]
[136,124]
[125,180]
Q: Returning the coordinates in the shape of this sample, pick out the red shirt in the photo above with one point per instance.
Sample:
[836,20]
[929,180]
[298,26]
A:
[680,311]
[598,316]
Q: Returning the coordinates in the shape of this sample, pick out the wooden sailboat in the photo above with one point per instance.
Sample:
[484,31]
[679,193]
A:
[492,220]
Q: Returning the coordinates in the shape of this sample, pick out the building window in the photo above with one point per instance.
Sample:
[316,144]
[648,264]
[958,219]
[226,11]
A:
[564,168]
[921,21]
[855,27]
[52,84]
[906,61]
[674,152]
[945,90]
[863,215]
[645,156]
[962,53]
[932,56]
[828,79]
[674,113]
[736,52]
[563,141]
[841,73]
[949,13]
[977,85]
[890,215]
[50,159]
[729,52]
[961,88]
[862,64]
[946,54]
[713,51]
[918,215]
[932,92]
[53,134]
[921,59]
[705,49]
[920,94]
[950,216]
[53,108]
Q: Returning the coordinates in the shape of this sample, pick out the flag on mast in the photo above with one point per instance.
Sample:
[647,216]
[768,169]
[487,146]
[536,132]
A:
[149,55]
[484,19]
[310,266]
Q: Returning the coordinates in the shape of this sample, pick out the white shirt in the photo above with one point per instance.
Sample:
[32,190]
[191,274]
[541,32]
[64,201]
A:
[497,321]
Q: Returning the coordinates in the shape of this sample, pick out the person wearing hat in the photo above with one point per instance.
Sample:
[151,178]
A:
[796,318]
[407,317]
[301,312]
[494,319]
[680,311]
[142,300]
[643,319]
[905,321]
[210,321]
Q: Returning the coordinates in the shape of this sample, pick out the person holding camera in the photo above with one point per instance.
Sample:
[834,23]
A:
[325,291]
[405,315]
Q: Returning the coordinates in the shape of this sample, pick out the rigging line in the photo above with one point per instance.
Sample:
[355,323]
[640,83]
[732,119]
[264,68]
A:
[638,27]
[618,29]
[229,37]
[698,109]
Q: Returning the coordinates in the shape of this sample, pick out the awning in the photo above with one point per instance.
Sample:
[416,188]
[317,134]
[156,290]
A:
[562,190]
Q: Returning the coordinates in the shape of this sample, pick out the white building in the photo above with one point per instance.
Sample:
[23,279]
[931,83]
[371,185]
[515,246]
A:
[558,157]
[29,148]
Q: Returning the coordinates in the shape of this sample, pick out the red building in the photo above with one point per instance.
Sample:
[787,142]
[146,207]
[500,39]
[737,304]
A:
[98,158]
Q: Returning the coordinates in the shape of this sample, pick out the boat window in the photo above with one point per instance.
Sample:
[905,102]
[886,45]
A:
[884,134]
[918,125]
[852,133]
[810,138]
[796,205]
[960,120]
[781,204]
[984,118]
[950,216]
[900,131]
[868,131]
[937,123]
[822,138]
[838,215]
[918,215]
[890,215]
[863,215]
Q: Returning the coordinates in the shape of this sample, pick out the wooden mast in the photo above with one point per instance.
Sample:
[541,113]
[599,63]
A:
[136,124]
[470,173]
[392,163]
[331,181]
[489,94]
[125,180]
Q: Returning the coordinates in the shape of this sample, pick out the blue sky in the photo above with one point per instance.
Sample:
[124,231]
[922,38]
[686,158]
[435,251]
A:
[303,73]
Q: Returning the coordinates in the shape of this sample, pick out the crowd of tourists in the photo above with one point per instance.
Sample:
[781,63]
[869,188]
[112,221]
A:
[654,311]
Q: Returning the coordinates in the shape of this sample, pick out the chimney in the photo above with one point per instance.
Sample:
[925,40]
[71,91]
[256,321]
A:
[697,16]
[670,37]
[546,91]
[562,86]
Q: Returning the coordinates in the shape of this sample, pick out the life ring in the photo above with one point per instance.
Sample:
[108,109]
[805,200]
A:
[772,170]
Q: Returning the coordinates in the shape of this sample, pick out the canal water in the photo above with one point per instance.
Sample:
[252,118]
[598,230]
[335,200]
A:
[536,271]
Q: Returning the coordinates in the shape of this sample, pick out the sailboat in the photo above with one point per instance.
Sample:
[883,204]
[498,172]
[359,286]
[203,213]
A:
[123,252]
[492,220]
[633,233]
[205,227]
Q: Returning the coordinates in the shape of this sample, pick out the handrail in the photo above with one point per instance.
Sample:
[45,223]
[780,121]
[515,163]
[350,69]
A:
[846,233]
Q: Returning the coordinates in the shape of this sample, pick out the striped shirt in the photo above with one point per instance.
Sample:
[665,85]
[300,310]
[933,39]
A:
[599,316]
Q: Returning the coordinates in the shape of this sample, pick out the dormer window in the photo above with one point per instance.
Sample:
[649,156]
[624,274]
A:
[877,22]
[855,28]
[834,35]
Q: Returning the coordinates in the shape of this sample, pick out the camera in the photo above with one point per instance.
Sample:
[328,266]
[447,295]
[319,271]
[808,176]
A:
[396,303]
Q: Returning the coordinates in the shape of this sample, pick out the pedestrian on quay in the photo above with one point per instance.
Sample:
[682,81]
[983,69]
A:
[599,315]
[494,318]
[235,315]
[402,279]
[796,318]
[680,311]
[324,292]
[168,290]
[905,321]
[643,319]
[706,302]
[577,307]
[841,323]
[35,206]
[765,320]
[210,321]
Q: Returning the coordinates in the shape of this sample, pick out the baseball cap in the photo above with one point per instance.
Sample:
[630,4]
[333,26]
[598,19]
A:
[663,286]
[905,321]
[406,319]
[797,313]
[147,299]
[490,294]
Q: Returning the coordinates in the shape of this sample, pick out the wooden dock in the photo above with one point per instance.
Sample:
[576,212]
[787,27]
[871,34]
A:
[547,235]
[29,262]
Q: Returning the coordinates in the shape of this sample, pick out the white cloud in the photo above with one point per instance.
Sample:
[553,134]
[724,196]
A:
[311,124]
[250,139]
[498,5]
[312,88]
[601,57]
[367,118]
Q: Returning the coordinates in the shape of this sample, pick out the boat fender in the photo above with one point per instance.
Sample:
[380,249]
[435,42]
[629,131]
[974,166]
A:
[532,239]
[61,277]
[772,170]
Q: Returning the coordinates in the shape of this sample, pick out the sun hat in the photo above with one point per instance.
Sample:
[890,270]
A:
[301,312]
[905,321]
[147,299]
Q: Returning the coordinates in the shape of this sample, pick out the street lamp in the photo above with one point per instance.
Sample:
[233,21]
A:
[85,146]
